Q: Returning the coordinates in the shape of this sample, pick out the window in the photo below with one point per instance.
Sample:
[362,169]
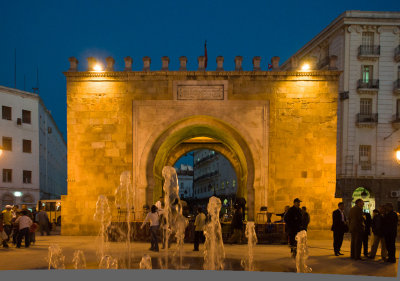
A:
[365,106]
[27,176]
[27,146]
[366,73]
[6,112]
[7,175]
[233,183]
[365,157]
[7,143]
[367,39]
[26,116]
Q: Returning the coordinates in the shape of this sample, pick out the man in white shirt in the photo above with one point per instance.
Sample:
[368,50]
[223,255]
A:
[154,225]
[199,224]
[24,223]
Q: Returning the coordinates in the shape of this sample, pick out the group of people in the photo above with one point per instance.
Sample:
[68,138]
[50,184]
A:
[384,229]
[157,219]
[21,224]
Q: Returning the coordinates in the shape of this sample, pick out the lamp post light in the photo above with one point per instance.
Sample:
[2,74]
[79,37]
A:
[397,151]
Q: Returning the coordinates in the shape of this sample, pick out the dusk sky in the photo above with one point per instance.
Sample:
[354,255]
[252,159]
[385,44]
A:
[46,33]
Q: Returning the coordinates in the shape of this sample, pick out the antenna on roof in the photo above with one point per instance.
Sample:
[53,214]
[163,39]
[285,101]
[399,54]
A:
[15,68]
[36,89]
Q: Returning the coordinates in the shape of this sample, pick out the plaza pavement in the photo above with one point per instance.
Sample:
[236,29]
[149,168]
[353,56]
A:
[270,258]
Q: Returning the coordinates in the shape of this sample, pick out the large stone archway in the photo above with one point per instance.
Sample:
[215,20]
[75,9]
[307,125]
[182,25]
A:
[230,144]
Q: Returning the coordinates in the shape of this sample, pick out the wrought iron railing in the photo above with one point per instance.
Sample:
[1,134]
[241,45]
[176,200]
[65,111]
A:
[370,84]
[367,118]
[369,50]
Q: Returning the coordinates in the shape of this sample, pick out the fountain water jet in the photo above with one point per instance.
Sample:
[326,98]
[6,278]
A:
[124,199]
[145,263]
[103,215]
[79,260]
[214,253]
[248,262]
[55,257]
[302,252]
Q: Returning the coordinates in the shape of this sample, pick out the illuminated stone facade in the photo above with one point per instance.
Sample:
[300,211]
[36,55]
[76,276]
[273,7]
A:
[278,129]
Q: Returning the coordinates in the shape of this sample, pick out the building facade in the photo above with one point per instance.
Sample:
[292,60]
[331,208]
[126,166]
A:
[213,175]
[276,128]
[365,47]
[33,157]
[185,181]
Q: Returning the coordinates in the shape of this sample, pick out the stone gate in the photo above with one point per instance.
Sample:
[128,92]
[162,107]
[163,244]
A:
[278,129]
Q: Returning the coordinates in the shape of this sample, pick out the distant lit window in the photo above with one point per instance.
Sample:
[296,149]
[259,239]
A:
[233,183]
[7,175]
[26,116]
[6,112]
[27,146]
[222,185]
[7,143]
[27,176]
[366,73]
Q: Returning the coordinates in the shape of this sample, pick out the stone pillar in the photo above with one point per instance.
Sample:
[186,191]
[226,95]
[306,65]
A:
[110,64]
[294,63]
[238,63]
[73,62]
[275,63]
[202,61]
[165,62]
[220,63]
[146,63]
[128,63]
[183,61]
[332,62]
[256,63]
[91,63]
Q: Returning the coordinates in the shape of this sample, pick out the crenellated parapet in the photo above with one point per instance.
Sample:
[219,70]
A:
[96,65]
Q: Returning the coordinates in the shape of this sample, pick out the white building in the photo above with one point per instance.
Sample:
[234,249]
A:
[213,174]
[185,181]
[33,160]
[365,46]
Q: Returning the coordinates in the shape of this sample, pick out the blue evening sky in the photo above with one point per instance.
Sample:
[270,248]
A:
[47,33]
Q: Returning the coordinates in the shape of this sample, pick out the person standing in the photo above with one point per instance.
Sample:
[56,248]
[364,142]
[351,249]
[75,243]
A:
[43,220]
[339,228]
[305,218]
[294,222]
[367,232]
[356,225]
[377,231]
[7,221]
[154,220]
[199,224]
[237,225]
[24,223]
[390,221]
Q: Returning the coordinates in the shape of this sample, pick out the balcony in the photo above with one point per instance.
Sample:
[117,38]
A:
[365,165]
[396,87]
[369,52]
[368,87]
[396,121]
[397,54]
[205,158]
[206,176]
[367,120]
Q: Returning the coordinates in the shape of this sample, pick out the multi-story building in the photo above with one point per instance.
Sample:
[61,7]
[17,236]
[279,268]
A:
[33,157]
[365,46]
[185,181]
[213,175]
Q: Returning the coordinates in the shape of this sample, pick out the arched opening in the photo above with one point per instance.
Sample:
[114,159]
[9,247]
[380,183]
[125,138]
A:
[7,199]
[366,195]
[201,132]
[203,173]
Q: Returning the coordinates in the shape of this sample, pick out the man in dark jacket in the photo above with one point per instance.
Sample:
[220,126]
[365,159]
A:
[237,226]
[377,230]
[294,223]
[390,221]
[305,218]
[356,226]
[367,232]
[339,228]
